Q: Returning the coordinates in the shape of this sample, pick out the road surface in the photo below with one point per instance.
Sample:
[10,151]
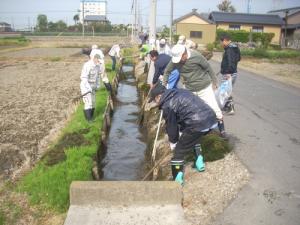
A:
[266,133]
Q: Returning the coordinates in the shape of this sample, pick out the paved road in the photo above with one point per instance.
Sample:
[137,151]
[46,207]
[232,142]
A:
[266,130]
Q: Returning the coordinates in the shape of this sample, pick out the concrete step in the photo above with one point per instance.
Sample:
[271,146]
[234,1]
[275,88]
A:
[125,202]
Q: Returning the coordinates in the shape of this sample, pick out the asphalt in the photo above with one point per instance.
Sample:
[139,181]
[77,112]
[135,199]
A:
[266,132]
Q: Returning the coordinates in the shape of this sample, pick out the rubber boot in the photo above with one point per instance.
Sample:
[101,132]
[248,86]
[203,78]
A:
[177,167]
[222,129]
[199,162]
[88,115]
[92,113]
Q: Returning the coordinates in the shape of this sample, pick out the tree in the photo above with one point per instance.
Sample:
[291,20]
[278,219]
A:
[61,26]
[226,6]
[76,18]
[42,23]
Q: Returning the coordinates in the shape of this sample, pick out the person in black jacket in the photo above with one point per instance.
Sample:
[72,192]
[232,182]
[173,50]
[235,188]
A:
[186,113]
[229,64]
[160,63]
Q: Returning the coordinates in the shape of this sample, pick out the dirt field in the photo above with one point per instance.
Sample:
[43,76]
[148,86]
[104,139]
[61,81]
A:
[35,99]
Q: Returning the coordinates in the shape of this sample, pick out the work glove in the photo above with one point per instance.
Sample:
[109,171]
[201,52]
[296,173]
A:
[172,145]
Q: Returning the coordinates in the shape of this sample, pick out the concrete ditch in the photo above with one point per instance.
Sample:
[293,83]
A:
[205,194]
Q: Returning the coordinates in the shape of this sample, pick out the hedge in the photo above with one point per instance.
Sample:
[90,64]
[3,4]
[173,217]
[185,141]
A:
[244,36]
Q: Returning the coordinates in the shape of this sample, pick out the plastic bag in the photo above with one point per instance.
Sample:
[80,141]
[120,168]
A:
[224,92]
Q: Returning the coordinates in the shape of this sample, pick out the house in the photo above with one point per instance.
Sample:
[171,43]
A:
[92,8]
[5,27]
[196,27]
[291,18]
[92,18]
[267,23]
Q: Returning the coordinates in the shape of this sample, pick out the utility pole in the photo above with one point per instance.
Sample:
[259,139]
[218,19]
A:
[132,20]
[152,20]
[135,17]
[285,27]
[82,18]
[171,21]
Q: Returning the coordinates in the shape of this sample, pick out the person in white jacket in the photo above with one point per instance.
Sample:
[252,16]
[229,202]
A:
[90,82]
[114,53]
[163,47]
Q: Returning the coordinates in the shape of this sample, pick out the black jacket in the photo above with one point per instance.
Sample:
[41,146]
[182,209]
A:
[231,57]
[160,65]
[184,111]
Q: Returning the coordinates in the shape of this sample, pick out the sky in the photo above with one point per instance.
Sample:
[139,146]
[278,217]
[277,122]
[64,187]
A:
[22,14]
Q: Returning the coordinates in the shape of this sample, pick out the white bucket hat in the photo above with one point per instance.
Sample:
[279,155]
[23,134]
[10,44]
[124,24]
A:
[177,52]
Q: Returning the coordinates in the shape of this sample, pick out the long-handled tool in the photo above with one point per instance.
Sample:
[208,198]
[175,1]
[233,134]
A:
[156,165]
[80,96]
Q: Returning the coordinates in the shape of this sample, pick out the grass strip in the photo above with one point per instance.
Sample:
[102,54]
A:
[48,183]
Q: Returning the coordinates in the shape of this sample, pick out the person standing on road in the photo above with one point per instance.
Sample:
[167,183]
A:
[160,62]
[229,64]
[197,76]
[114,53]
[90,82]
[186,113]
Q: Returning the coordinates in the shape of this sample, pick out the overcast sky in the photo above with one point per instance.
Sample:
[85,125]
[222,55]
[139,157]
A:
[23,13]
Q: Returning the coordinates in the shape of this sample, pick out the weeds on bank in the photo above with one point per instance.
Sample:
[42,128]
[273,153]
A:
[48,183]
[270,54]
[53,59]
[14,41]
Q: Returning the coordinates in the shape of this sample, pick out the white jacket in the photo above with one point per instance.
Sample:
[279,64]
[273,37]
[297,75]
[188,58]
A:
[115,51]
[90,79]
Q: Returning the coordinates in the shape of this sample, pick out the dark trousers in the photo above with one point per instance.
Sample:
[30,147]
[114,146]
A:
[186,144]
[113,65]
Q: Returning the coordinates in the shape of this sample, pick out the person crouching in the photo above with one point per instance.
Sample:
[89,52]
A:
[186,113]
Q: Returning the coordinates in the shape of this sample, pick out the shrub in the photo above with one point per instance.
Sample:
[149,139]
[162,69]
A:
[210,47]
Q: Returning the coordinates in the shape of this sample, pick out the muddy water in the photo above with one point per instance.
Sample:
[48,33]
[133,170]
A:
[125,148]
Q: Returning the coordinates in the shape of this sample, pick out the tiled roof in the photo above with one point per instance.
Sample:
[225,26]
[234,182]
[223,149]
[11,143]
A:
[245,18]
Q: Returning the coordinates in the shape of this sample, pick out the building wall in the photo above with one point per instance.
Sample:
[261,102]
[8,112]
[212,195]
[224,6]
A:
[93,8]
[208,32]
[294,19]
[267,29]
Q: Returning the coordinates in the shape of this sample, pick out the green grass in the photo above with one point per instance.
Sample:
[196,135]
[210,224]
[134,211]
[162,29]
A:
[48,183]
[14,41]
[2,217]
[270,54]
[53,59]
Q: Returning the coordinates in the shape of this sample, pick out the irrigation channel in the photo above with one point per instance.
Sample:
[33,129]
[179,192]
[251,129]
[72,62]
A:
[126,149]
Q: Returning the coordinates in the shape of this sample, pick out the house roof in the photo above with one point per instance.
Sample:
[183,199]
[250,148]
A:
[282,12]
[193,13]
[245,18]
[95,18]
[5,24]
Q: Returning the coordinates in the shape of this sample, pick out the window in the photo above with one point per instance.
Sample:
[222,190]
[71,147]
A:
[196,34]
[234,27]
[258,29]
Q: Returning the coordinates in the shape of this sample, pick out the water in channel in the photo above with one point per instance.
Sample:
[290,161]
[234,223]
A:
[125,154]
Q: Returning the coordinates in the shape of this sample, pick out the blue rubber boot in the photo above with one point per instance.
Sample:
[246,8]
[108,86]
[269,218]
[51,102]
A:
[179,178]
[200,165]
[177,167]
[199,162]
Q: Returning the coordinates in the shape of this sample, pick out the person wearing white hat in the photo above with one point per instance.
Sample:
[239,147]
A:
[197,76]
[181,40]
[90,82]
[163,47]
[102,74]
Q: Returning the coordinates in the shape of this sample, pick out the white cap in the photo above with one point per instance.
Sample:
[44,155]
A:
[97,52]
[177,52]
[190,44]
[162,41]
[181,39]
[94,46]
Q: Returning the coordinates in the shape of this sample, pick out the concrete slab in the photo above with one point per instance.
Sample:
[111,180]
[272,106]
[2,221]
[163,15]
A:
[140,215]
[125,202]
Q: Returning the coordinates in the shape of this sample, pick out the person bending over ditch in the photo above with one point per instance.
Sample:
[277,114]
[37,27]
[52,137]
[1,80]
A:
[114,53]
[197,76]
[186,113]
[90,82]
